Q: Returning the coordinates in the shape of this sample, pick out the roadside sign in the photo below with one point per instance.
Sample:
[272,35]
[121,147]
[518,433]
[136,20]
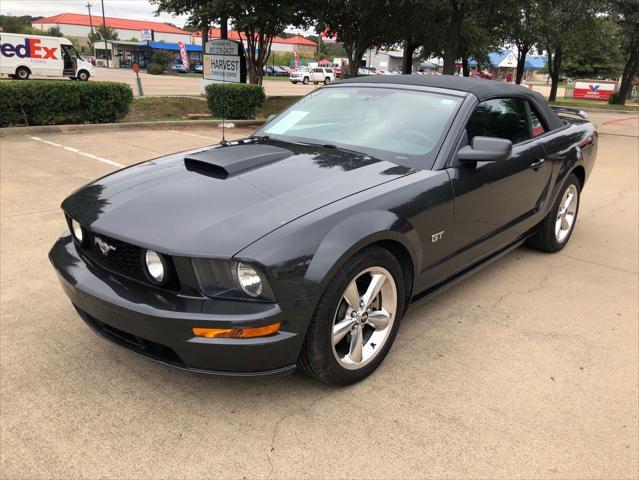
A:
[593,90]
[183,55]
[146,35]
[224,60]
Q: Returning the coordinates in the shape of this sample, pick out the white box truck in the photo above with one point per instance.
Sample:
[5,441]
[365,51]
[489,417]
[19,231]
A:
[23,55]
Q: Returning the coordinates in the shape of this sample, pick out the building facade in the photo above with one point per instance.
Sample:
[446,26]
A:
[77,25]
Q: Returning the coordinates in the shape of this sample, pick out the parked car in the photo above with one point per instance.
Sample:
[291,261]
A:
[55,57]
[315,75]
[366,71]
[287,69]
[303,244]
[199,67]
[482,74]
[338,72]
[178,67]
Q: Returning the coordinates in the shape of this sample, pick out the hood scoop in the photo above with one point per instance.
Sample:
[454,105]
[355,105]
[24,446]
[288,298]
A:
[227,161]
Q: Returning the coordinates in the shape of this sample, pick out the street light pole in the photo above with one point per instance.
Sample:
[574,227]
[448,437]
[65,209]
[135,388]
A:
[103,32]
[90,17]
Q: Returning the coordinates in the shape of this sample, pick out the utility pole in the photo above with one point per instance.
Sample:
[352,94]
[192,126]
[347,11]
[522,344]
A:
[90,17]
[103,32]
[224,27]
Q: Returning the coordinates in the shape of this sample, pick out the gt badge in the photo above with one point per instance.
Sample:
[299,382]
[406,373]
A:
[435,237]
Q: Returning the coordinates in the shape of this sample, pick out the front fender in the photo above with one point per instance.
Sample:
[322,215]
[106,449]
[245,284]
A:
[355,233]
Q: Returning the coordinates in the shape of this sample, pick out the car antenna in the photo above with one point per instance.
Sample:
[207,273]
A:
[223,94]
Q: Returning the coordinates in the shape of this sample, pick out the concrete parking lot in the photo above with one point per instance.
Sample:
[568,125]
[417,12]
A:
[528,369]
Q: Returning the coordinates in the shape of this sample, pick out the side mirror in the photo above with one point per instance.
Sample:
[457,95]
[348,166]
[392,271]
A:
[486,149]
[270,117]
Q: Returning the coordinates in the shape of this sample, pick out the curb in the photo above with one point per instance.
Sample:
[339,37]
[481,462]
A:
[12,131]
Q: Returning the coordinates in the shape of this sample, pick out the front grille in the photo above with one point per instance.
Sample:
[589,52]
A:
[125,259]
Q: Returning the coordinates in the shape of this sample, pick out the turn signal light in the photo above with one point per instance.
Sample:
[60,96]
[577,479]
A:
[237,332]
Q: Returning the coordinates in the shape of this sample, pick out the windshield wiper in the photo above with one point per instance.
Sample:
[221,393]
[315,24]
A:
[332,146]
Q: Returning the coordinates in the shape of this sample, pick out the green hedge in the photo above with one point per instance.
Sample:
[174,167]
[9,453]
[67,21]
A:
[235,101]
[154,69]
[51,102]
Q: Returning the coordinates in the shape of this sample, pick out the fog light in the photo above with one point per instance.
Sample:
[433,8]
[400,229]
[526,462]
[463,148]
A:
[155,267]
[76,228]
[237,332]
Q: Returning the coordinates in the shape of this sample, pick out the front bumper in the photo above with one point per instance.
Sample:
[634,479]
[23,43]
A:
[158,324]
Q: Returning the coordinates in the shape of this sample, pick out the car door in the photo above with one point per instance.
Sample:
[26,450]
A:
[496,202]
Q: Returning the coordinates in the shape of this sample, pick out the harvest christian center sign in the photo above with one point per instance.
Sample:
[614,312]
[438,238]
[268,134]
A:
[224,60]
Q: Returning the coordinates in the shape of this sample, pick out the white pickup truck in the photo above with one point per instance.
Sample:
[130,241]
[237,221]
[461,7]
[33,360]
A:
[315,75]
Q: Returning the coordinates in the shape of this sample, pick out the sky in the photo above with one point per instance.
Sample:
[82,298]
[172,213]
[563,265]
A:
[133,9]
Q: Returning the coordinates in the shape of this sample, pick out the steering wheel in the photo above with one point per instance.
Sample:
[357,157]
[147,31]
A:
[416,134]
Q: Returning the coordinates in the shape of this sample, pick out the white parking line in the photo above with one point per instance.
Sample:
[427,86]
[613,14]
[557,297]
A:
[75,150]
[193,135]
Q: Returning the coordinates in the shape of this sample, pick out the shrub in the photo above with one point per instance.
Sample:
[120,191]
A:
[154,69]
[615,99]
[51,102]
[234,100]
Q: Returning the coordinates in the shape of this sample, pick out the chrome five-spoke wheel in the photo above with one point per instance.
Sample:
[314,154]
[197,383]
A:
[566,214]
[364,318]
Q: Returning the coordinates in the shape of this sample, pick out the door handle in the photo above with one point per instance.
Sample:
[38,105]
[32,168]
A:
[537,163]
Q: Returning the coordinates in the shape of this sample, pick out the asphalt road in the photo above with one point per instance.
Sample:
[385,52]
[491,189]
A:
[528,369]
[158,85]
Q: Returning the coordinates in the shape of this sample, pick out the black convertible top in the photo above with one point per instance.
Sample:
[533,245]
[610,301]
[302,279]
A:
[479,87]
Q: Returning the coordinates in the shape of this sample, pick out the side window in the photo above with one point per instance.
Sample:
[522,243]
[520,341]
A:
[502,118]
[317,70]
[328,70]
[536,124]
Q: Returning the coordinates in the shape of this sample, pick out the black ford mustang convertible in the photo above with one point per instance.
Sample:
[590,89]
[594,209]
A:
[304,244]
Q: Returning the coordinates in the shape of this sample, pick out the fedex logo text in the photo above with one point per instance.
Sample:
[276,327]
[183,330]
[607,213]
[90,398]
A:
[31,48]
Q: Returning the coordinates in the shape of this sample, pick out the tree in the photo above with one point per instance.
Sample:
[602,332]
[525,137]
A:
[103,33]
[626,15]
[599,57]
[356,24]
[22,24]
[522,29]
[567,24]
[201,12]
[258,22]
[54,32]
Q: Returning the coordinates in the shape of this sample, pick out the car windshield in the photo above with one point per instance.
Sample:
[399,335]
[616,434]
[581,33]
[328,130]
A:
[387,123]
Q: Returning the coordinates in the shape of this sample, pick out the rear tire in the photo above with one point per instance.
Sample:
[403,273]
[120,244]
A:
[22,73]
[294,83]
[554,232]
[342,356]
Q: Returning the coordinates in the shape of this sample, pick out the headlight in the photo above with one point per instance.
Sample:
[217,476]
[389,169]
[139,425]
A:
[76,228]
[231,280]
[155,266]
[249,280]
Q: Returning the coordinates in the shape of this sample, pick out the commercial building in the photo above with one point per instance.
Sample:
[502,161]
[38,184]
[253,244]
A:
[298,44]
[77,25]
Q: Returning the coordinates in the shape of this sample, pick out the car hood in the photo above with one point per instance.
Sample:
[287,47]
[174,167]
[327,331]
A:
[218,200]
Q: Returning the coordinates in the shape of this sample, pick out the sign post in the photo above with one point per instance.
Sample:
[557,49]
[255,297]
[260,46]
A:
[136,69]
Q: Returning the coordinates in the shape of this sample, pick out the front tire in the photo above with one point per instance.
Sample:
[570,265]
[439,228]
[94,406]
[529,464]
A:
[356,319]
[83,75]
[327,80]
[556,229]
[305,81]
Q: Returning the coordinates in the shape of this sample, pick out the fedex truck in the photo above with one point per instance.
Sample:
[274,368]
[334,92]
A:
[23,55]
